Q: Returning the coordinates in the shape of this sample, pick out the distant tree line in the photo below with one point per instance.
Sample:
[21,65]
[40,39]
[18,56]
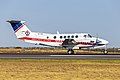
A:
[108,49]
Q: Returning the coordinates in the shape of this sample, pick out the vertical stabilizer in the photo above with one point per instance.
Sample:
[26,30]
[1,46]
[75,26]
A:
[19,28]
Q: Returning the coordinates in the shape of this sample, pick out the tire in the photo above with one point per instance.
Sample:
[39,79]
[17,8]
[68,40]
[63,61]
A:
[70,51]
[105,52]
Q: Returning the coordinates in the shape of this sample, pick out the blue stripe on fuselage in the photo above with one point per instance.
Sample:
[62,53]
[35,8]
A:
[100,44]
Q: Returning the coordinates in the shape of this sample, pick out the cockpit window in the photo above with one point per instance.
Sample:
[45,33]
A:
[89,36]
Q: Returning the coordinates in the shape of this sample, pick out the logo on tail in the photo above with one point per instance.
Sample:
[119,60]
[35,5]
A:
[27,33]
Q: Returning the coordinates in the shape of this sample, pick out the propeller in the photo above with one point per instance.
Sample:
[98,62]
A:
[97,40]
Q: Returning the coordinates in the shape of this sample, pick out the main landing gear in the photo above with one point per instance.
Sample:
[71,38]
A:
[70,51]
[105,51]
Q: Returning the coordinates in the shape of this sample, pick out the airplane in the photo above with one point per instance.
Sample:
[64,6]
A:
[67,41]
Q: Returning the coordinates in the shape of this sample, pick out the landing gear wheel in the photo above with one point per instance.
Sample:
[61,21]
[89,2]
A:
[105,52]
[70,51]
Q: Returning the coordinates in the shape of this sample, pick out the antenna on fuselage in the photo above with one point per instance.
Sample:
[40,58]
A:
[58,32]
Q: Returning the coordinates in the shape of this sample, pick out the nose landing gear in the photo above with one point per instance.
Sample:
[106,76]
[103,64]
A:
[105,51]
[70,51]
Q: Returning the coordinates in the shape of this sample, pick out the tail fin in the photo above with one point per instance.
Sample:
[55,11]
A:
[20,28]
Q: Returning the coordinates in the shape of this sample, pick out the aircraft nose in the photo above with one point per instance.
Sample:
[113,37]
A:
[104,41]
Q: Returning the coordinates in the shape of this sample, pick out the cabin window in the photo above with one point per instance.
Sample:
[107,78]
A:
[68,36]
[60,37]
[85,36]
[47,37]
[54,37]
[64,36]
[76,36]
[72,36]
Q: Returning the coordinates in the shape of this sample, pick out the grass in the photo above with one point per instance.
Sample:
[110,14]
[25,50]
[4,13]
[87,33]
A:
[50,51]
[27,69]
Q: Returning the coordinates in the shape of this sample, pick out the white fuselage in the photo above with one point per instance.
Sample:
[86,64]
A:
[83,39]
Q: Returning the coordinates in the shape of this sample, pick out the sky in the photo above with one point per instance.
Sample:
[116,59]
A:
[97,17]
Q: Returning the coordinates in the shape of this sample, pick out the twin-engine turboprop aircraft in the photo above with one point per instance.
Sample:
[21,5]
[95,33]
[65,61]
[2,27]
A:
[68,41]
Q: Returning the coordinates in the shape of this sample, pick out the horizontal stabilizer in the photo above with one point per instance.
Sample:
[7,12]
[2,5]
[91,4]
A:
[15,21]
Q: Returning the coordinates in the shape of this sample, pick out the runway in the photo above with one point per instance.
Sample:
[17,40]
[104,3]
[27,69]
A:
[70,57]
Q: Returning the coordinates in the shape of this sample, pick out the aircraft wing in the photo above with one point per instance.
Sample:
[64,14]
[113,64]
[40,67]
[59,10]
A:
[69,43]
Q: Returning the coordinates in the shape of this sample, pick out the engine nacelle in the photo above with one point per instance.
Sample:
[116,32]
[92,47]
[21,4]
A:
[76,47]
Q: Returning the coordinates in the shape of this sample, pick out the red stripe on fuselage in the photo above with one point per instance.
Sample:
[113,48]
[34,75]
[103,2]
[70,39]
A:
[49,40]
[19,27]
[38,39]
